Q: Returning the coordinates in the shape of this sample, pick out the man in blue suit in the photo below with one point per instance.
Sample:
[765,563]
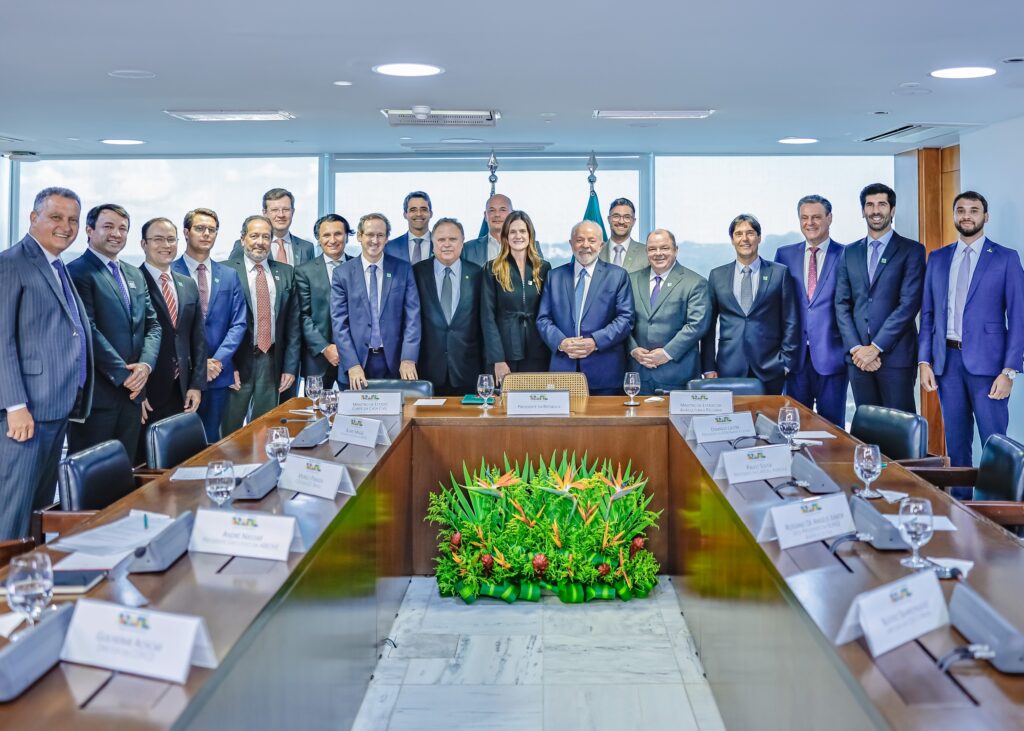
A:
[586,313]
[878,295]
[818,378]
[413,246]
[224,312]
[375,310]
[45,358]
[285,247]
[484,249]
[753,303]
[972,329]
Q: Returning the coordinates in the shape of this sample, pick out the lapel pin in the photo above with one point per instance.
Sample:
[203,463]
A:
[388,275]
[668,285]
[530,283]
[764,278]
[216,280]
[884,261]
[131,285]
[989,250]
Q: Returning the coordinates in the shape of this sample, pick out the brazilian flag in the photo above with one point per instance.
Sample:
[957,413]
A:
[594,213]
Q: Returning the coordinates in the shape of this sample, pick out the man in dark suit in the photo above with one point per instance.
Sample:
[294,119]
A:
[972,329]
[267,361]
[375,310]
[451,349]
[482,250]
[46,357]
[879,287]
[223,309]
[313,284]
[819,375]
[177,383]
[622,249]
[125,332]
[286,247]
[586,313]
[753,303]
[413,246]
[672,314]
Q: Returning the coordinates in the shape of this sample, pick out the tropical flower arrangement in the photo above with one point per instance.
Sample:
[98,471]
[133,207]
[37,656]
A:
[563,526]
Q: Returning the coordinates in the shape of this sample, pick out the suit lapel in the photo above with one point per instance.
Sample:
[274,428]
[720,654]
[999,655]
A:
[465,295]
[985,256]
[107,277]
[386,280]
[672,280]
[35,255]
[797,254]
[767,275]
[892,251]
[157,295]
[635,251]
[832,255]
[724,284]
[600,272]
[279,293]
[243,274]
[643,288]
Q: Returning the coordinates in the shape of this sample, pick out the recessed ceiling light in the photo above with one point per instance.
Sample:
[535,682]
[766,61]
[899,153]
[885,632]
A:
[123,142]
[229,116]
[549,114]
[798,140]
[653,114]
[404,139]
[880,112]
[963,72]
[72,139]
[131,74]
[909,84]
[408,69]
[343,83]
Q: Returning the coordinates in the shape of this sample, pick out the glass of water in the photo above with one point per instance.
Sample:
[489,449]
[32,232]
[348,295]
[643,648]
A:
[329,402]
[916,527]
[631,385]
[279,441]
[220,481]
[867,463]
[314,387]
[30,586]
[789,423]
[485,389]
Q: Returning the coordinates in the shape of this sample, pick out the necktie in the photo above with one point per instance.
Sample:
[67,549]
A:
[618,255]
[446,295]
[873,260]
[116,271]
[746,291]
[963,281]
[655,290]
[581,285]
[262,309]
[76,318]
[169,298]
[282,253]
[375,338]
[812,272]
[204,289]
[417,254]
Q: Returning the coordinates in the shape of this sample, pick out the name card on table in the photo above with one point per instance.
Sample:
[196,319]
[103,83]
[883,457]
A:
[755,463]
[721,427]
[252,535]
[895,613]
[360,431]
[537,403]
[699,402]
[357,403]
[316,477]
[138,641]
[806,521]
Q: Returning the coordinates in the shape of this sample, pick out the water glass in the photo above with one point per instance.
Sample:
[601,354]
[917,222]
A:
[30,585]
[485,388]
[220,481]
[329,402]
[916,527]
[314,387]
[631,385]
[867,463]
[789,423]
[279,441]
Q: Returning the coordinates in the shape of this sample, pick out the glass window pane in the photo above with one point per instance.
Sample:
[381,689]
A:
[5,198]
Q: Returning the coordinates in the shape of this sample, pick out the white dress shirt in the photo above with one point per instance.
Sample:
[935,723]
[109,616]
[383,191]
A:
[333,264]
[250,273]
[819,256]
[380,277]
[493,245]
[954,270]
[737,278]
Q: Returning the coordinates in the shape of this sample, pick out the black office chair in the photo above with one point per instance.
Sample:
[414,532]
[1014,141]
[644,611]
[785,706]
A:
[409,389]
[739,386]
[901,436]
[171,441]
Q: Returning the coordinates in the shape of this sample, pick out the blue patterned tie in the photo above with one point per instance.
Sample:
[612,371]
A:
[116,271]
[581,285]
[375,339]
[655,291]
[873,260]
[76,318]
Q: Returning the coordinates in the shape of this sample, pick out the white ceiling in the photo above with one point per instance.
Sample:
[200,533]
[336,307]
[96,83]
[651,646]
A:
[772,68]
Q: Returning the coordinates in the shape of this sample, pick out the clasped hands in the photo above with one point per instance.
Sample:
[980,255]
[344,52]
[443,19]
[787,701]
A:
[650,358]
[867,358]
[577,347]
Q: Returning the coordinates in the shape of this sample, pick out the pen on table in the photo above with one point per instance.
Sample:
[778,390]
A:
[145,522]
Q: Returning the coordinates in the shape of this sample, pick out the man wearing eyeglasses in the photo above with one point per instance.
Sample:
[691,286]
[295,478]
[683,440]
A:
[286,247]
[622,250]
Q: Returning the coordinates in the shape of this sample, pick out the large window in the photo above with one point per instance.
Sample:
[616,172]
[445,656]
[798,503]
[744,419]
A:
[5,198]
[147,188]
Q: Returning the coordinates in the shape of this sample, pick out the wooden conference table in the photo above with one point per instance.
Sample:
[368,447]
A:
[298,640]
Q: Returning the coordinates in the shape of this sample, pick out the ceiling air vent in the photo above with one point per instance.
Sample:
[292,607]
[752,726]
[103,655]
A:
[476,147]
[427,117]
[918,132]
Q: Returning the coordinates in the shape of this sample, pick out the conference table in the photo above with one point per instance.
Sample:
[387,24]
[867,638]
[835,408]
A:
[297,640]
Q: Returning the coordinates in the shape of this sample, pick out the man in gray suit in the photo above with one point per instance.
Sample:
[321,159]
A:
[622,249]
[672,315]
[286,247]
[482,250]
[45,358]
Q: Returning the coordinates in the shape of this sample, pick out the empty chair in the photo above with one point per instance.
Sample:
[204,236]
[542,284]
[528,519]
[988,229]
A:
[739,386]
[409,389]
[575,383]
[171,441]
[898,434]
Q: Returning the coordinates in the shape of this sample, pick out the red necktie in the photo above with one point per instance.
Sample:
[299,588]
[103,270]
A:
[172,303]
[262,310]
[204,289]
[282,253]
[812,272]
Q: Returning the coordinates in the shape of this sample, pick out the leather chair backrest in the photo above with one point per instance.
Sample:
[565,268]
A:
[1001,472]
[95,477]
[409,389]
[898,434]
[739,386]
[171,441]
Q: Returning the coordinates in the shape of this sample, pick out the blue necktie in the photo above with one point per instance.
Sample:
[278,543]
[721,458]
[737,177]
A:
[873,260]
[76,318]
[581,285]
[116,271]
[375,339]
[655,291]
[963,283]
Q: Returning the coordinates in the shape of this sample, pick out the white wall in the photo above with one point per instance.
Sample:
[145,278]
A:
[905,185]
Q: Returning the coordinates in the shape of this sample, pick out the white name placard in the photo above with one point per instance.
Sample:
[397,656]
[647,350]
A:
[138,641]
[537,403]
[755,463]
[806,521]
[232,533]
[359,430]
[700,402]
[315,477]
[721,427]
[896,613]
[356,403]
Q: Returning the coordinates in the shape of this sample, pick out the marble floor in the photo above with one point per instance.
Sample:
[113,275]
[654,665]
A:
[493,666]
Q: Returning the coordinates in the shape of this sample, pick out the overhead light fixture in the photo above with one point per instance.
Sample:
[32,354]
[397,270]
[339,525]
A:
[461,140]
[408,69]
[343,83]
[123,142]
[653,114]
[798,140]
[131,74]
[229,116]
[963,72]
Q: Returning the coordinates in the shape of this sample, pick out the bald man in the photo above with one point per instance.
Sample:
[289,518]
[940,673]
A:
[484,249]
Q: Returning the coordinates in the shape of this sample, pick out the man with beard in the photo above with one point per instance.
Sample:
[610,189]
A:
[972,329]
[878,295]
[622,249]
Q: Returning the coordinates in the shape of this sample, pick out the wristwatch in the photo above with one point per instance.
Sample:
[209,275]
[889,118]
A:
[1010,373]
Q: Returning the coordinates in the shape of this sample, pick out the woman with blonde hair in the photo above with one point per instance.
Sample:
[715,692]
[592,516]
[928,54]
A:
[511,296]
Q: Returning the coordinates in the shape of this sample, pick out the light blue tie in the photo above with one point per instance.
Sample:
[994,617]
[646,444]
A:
[581,285]
[375,339]
[963,281]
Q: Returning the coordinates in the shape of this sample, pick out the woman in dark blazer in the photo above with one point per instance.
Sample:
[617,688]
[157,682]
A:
[511,297]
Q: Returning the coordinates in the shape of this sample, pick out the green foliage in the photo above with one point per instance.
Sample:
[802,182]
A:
[564,525]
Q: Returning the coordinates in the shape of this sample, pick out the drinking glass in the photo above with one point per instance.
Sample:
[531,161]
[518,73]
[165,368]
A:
[329,402]
[631,385]
[916,527]
[485,388]
[867,463]
[789,423]
[314,387]
[279,441]
[30,586]
[220,481]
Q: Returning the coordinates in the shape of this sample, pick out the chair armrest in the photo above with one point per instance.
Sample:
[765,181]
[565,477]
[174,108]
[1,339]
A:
[947,476]
[1006,513]
[931,461]
[57,521]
